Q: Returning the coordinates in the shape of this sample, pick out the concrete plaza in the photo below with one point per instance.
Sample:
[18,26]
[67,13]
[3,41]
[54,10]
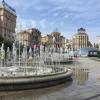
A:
[85,85]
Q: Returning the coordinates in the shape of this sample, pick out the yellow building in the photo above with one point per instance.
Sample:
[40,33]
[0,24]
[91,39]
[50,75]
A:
[47,40]
[30,37]
[54,39]
[81,39]
[25,38]
[7,21]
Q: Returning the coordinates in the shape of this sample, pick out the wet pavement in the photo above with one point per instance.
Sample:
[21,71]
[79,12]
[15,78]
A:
[85,85]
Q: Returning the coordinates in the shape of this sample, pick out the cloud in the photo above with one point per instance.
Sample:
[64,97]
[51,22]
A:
[65,14]
[23,24]
[64,8]
[56,14]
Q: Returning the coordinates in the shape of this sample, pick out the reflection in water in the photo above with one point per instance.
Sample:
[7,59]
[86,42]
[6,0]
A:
[81,74]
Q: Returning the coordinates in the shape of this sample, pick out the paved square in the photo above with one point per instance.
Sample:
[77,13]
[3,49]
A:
[85,85]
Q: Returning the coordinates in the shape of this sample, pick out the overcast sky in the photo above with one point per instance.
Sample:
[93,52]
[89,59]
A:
[65,15]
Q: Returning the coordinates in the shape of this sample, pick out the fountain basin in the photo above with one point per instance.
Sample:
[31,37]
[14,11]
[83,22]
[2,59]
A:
[34,82]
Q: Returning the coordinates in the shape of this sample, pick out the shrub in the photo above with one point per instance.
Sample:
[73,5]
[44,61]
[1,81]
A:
[6,43]
[99,54]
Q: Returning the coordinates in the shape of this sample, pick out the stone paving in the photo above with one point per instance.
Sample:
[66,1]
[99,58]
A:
[85,85]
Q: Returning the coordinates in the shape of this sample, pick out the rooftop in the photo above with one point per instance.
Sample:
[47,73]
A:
[3,4]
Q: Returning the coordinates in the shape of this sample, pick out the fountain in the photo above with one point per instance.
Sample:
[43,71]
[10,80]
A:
[30,69]
[2,55]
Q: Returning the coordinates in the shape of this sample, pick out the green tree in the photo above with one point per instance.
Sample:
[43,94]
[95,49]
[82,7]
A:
[6,43]
[99,54]
[1,40]
[97,46]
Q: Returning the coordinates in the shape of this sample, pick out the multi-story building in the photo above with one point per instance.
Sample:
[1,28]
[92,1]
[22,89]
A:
[47,40]
[7,21]
[35,36]
[62,41]
[56,39]
[24,38]
[30,37]
[81,39]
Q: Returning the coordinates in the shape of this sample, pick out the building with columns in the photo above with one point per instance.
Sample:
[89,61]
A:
[81,39]
[7,21]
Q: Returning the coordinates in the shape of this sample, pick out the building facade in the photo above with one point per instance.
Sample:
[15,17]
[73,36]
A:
[81,39]
[56,39]
[62,42]
[30,37]
[7,21]
[24,38]
[35,36]
[47,40]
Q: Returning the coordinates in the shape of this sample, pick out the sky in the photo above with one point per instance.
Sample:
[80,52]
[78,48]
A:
[64,15]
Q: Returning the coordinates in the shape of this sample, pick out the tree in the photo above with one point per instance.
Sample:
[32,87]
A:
[99,54]
[7,43]
[1,40]
[97,46]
